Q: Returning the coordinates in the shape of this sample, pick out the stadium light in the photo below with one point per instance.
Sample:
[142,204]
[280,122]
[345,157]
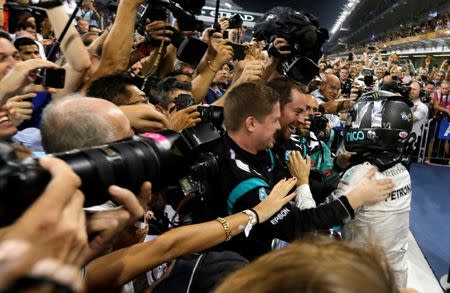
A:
[346,11]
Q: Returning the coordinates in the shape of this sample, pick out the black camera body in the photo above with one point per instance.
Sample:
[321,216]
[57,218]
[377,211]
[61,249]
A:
[235,22]
[189,49]
[305,38]
[127,163]
[51,77]
[318,123]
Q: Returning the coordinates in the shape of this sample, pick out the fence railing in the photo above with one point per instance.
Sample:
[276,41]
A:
[434,143]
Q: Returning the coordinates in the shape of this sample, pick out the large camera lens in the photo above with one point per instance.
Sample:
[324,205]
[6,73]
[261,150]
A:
[125,163]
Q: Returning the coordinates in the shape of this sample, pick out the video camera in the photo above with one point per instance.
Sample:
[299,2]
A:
[189,49]
[126,163]
[305,38]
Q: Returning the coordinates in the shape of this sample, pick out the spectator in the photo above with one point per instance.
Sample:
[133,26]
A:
[419,111]
[82,26]
[89,13]
[346,82]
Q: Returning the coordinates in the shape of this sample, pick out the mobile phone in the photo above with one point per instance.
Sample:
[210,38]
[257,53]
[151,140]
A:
[54,78]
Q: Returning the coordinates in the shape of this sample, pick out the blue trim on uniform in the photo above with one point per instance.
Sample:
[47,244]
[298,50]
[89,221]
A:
[272,160]
[241,189]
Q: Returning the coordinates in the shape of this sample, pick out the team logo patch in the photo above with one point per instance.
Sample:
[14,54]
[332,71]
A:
[262,194]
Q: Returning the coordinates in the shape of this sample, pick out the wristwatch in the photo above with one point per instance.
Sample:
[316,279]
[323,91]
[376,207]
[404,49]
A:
[252,218]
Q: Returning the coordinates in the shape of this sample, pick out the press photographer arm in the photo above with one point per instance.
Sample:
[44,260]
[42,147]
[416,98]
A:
[113,270]
[274,60]
[118,44]
[201,83]
[76,54]
[252,72]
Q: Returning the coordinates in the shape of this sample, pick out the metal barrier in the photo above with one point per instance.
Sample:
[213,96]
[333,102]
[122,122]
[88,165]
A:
[434,143]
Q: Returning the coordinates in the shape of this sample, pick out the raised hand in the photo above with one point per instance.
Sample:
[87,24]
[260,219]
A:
[299,167]
[185,118]
[276,200]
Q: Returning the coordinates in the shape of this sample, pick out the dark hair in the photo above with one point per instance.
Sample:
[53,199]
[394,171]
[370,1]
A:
[165,87]
[25,24]
[283,87]
[112,88]
[429,82]
[5,35]
[24,42]
[248,99]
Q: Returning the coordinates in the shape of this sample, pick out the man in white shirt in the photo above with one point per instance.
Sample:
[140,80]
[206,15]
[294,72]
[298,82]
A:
[419,110]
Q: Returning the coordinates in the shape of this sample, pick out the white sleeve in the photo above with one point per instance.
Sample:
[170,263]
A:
[304,199]
[421,112]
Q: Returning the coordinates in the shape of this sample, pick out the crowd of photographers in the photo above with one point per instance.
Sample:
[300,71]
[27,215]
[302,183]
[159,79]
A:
[183,153]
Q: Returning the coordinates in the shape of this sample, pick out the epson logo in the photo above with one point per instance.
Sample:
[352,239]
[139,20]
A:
[280,216]
[355,136]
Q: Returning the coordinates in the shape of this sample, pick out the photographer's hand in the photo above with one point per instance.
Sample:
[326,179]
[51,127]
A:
[55,221]
[20,110]
[279,43]
[106,225]
[157,30]
[145,118]
[253,71]
[19,77]
[224,54]
[369,190]
[224,24]
[185,118]
[299,167]
[276,200]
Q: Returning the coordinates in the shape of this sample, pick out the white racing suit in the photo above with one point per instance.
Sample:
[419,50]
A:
[387,222]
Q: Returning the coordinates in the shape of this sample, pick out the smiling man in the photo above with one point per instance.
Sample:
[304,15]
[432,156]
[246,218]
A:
[247,170]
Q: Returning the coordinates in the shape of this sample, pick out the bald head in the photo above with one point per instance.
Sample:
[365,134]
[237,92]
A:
[312,106]
[79,122]
[330,87]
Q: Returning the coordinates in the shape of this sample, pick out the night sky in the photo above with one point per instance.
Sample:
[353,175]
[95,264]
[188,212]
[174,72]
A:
[327,11]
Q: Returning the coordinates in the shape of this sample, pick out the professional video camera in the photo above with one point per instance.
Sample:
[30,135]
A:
[126,163]
[396,86]
[305,38]
[189,49]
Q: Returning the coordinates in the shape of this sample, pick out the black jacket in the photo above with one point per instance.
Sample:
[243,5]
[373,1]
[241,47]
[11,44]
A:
[245,180]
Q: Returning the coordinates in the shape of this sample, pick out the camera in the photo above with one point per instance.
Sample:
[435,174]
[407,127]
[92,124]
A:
[367,74]
[183,11]
[211,114]
[235,22]
[318,123]
[301,70]
[49,77]
[189,49]
[126,163]
[305,38]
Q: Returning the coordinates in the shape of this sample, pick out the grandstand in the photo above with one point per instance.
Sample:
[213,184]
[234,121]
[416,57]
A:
[409,28]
